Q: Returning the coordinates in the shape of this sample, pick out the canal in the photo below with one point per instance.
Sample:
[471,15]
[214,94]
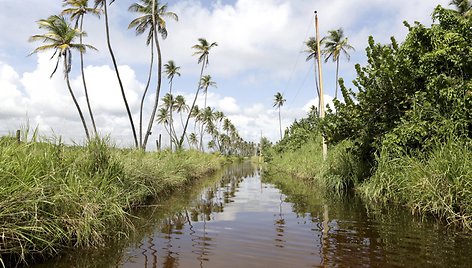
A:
[243,218]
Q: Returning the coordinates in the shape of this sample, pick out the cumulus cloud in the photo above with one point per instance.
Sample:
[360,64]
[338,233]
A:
[259,42]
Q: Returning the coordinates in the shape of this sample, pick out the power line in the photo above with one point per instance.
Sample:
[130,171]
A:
[294,68]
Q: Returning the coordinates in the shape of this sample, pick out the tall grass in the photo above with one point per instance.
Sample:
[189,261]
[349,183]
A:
[438,183]
[340,172]
[54,196]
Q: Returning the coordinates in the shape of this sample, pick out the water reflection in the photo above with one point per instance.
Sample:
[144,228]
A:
[237,219]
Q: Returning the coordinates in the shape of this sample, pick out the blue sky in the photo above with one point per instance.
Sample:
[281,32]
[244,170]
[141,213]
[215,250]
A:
[259,53]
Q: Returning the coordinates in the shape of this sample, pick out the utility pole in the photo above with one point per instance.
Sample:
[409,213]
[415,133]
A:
[320,79]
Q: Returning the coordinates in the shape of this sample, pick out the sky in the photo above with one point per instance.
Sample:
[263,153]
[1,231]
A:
[259,53]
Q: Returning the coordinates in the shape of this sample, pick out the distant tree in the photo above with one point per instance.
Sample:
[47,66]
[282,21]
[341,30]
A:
[205,83]
[334,44]
[60,37]
[171,70]
[180,107]
[279,102]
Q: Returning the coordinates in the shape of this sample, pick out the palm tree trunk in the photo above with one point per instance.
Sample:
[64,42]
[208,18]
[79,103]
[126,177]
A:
[193,105]
[83,78]
[337,72]
[186,136]
[159,77]
[171,111]
[144,96]
[118,75]
[280,124]
[201,130]
[73,96]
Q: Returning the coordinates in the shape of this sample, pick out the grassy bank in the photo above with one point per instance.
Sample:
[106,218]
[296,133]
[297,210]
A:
[340,171]
[54,197]
[437,183]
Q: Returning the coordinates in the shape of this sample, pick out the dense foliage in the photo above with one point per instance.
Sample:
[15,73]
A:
[405,134]
[410,96]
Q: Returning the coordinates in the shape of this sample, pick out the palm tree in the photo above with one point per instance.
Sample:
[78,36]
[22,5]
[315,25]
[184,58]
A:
[206,118]
[77,10]
[168,103]
[334,44]
[463,7]
[180,107]
[162,117]
[60,37]
[205,83]
[312,54]
[153,15]
[202,49]
[171,70]
[103,4]
[193,140]
[279,102]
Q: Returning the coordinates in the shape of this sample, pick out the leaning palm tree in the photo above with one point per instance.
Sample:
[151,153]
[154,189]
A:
[103,4]
[77,9]
[152,18]
[312,54]
[60,37]
[463,7]
[279,102]
[334,44]
[202,49]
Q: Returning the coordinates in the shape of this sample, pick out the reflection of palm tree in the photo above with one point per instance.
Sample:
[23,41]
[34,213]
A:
[280,225]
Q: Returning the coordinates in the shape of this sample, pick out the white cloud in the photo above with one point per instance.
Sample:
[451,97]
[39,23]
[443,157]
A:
[228,105]
[259,42]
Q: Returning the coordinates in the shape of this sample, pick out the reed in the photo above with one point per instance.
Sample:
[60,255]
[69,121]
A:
[437,183]
[340,172]
[54,197]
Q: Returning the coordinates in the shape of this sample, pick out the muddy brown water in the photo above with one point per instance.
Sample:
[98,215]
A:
[237,219]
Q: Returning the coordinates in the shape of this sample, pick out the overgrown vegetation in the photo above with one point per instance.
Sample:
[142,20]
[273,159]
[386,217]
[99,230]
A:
[54,197]
[405,134]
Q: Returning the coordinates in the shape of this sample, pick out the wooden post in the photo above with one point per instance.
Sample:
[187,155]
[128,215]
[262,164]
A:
[18,138]
[320,79]
[160,142]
